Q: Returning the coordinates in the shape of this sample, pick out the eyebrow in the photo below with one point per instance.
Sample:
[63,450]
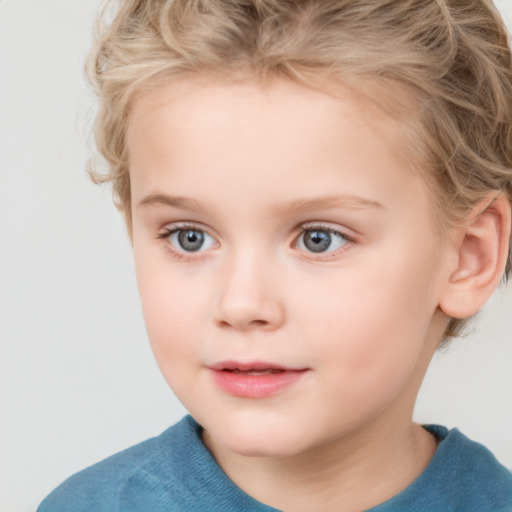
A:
[174,201]
[348,202]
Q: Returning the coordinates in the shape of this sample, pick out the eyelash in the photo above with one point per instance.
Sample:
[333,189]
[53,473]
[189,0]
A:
[185,255]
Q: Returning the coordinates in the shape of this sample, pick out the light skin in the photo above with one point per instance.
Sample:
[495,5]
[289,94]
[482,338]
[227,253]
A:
[320,252]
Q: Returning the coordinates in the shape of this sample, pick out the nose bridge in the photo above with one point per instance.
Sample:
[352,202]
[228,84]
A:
[248,293]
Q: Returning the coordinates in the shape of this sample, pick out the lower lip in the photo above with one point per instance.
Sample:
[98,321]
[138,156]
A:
[256,386]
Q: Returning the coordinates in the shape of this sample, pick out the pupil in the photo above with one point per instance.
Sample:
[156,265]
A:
[191,240]
[317,241]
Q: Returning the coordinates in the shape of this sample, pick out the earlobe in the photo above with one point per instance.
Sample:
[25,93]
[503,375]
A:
[481,257]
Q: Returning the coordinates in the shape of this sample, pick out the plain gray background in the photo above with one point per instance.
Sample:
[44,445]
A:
[78,381]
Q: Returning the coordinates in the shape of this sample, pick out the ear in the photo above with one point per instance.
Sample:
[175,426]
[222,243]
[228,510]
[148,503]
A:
[482,249]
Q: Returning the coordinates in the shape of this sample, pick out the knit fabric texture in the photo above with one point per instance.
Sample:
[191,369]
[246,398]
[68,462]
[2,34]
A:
[174,472]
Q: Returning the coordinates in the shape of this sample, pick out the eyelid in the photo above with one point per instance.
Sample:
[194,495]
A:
[329,227]
[184,225]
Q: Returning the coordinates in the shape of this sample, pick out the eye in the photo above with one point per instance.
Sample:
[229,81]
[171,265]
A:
[321,240]
[190,239]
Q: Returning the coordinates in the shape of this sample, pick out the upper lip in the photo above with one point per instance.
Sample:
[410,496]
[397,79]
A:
[252,365]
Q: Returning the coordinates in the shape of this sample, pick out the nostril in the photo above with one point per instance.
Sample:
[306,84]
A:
[258,323]
[251,324]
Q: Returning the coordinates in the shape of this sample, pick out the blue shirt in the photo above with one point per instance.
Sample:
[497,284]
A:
[174,472]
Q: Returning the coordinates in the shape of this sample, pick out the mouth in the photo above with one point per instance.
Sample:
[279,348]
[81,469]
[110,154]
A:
[255,372]
[255,379]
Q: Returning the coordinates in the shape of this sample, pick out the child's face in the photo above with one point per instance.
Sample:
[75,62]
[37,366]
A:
[288,262]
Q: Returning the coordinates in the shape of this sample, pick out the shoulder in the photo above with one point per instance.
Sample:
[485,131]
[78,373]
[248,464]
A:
[142,468]
[476,474]
[463,475]
[173,472]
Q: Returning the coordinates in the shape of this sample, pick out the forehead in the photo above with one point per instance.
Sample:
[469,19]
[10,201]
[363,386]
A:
[274,109]
[237,132]
[213,99]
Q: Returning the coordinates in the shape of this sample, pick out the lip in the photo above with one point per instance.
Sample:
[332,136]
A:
[254,379]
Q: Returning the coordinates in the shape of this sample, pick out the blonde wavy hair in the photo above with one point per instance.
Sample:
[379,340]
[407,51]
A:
[451,56]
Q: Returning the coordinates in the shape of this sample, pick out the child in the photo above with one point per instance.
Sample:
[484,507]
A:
[318,193]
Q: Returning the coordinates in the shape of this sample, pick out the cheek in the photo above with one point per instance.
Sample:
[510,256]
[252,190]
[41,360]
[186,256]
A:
[171,327]
[172,310]
[375,322]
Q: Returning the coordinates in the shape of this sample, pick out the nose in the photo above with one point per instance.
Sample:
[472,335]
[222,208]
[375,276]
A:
[249,296]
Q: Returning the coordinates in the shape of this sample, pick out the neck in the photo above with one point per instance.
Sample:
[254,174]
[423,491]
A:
[347,475]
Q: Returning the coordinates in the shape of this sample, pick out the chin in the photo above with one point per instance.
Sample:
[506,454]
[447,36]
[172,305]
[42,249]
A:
[257,438]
